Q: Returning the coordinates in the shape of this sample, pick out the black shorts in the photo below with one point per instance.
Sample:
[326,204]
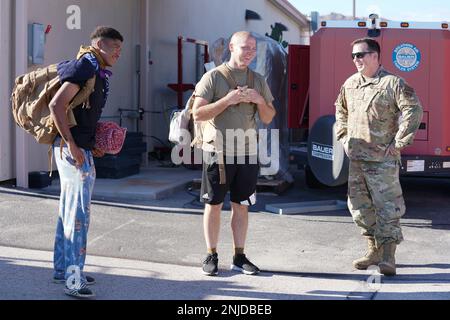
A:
[240,181]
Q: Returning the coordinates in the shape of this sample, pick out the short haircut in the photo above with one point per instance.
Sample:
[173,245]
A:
[241,35]
[103,32]
[372,44]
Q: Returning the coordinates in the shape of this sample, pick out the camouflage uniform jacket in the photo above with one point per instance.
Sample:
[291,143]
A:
[373,113]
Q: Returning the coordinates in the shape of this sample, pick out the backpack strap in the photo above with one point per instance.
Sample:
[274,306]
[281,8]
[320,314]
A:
[222,172]
[83,95]
[50,160]
[251,78]
[225,72]
[190,103]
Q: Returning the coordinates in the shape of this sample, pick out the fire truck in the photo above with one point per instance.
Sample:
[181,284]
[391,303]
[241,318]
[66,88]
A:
[419,52]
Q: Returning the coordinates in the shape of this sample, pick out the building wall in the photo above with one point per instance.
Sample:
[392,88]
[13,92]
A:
[63,44]
[6,124]
[204,20]
[155,24]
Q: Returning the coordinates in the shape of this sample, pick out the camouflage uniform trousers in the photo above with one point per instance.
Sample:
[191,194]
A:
[375,200]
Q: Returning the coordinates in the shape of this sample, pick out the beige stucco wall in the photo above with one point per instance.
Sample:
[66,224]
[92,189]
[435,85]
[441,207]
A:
[63,44]
[6,125]
[204,20]
[166,20]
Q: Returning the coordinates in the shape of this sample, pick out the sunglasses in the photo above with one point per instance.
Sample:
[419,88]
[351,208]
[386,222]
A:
[360,55]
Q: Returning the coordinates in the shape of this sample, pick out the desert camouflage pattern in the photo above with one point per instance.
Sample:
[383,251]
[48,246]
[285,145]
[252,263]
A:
[375,200]
[373,113]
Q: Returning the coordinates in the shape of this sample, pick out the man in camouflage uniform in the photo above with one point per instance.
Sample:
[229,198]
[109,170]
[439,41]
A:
[377,115]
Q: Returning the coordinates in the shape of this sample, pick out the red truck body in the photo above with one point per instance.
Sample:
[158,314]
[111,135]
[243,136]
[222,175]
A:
[417,52]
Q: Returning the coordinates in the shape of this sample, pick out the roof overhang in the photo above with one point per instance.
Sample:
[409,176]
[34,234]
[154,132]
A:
[287,8]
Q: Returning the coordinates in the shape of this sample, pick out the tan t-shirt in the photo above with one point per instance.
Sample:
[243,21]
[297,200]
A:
[213,87]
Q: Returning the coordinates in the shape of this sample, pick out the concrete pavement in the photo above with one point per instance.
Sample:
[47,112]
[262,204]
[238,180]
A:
[125,279]
[152,183]
[26,275]
[153,249]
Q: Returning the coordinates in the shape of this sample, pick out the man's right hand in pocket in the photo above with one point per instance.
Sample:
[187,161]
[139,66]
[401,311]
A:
[76,153]
[345,145]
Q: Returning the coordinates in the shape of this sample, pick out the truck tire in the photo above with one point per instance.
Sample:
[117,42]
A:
[311,180]
[326,155]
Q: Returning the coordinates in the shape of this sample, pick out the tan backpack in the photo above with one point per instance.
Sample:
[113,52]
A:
[31,97]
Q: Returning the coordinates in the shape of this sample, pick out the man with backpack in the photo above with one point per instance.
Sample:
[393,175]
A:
[227,100]
[74,151]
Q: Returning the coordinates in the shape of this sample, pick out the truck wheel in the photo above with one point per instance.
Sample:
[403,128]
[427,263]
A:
[326,155]
[311,180]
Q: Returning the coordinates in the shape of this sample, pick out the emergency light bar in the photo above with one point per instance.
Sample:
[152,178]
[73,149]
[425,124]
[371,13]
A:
[384,24]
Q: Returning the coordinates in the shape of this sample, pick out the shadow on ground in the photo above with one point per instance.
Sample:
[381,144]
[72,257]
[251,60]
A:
[22,282]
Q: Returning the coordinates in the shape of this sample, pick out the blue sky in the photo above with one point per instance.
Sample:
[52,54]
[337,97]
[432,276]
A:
[405,10]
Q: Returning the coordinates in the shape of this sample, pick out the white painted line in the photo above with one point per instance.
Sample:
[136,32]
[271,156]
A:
[109,232]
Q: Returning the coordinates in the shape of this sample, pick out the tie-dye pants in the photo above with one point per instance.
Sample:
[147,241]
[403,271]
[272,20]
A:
[74,212]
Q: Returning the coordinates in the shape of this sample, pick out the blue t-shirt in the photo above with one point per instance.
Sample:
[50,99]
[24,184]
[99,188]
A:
[78,72]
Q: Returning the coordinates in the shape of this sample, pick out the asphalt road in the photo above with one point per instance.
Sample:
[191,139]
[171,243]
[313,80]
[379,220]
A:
[153,250]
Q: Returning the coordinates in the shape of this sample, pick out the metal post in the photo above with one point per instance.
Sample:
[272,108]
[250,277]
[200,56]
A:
[20,67]
[180,70]
[198,63]
[314,21]
[145,63]
[138,83]
[354,9]
[206,54]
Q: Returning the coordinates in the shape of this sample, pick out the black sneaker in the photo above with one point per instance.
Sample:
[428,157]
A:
[60,280]
[242,264]
[210,265]
[83,292]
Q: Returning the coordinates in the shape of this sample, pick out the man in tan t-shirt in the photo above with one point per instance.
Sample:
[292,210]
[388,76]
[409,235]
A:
[227,111]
